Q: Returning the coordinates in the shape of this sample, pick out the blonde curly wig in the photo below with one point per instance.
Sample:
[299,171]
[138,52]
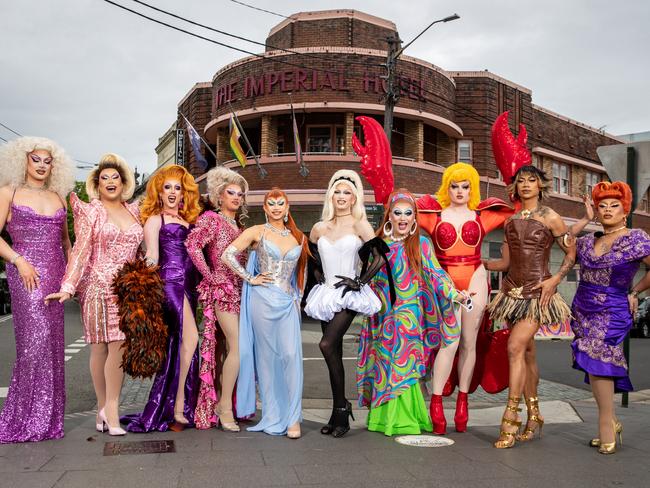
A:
[13,164]
[218,179]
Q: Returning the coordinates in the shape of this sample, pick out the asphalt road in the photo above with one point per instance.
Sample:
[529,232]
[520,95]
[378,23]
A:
[554,360]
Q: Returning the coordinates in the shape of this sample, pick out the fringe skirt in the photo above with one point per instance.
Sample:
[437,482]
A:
[505,308]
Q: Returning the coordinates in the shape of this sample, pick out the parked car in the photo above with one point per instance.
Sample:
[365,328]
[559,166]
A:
[641,326]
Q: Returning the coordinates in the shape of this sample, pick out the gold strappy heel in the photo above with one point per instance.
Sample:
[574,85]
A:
[507,439]
[532,408]
[618,431]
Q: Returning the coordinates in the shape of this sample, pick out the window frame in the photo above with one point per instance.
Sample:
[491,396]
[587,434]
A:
[557,188]
[470,147]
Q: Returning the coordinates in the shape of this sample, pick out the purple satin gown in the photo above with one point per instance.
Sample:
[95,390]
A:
[34,408]
[602,316]
[181,279]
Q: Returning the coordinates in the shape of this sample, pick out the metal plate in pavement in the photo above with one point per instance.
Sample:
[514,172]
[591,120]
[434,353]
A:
[140,447]
[424,441]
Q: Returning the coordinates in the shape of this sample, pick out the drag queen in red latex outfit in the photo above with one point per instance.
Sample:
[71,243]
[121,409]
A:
[458,221]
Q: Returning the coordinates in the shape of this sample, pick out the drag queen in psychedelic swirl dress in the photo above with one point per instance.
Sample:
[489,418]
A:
[396,344]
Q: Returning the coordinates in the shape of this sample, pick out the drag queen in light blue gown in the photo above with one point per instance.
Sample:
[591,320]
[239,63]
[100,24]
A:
[270,348]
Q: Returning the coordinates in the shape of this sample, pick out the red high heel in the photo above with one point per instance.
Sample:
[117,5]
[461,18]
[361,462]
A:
[462,412]
[438,415]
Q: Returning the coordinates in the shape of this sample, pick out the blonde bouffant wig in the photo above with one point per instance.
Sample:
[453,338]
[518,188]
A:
[13,164]
[455,173]
[116,162]
[351,180]
[218,179]
[152,203]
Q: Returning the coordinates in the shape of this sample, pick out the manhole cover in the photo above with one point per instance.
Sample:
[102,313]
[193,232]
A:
[141,447]
[424,441]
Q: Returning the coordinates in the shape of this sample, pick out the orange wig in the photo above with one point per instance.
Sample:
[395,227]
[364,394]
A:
[152,205]
[290,224]
[617,190]
[412,242]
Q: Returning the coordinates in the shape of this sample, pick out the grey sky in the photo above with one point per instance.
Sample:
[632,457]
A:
[98,79]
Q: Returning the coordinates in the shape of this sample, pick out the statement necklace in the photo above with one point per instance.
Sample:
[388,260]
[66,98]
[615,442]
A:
[283,232]
[525,214]
[230,220]
[615,230]
[398,239]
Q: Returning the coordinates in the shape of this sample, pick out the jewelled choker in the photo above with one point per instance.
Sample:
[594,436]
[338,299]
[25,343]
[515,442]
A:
[283,232]
[615,230]
[230,220]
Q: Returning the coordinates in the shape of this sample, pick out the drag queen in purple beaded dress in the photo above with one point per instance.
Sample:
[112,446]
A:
[605,301]
[169,211]
[35,177]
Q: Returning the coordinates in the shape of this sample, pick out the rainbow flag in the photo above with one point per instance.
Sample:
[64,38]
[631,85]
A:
[235,146]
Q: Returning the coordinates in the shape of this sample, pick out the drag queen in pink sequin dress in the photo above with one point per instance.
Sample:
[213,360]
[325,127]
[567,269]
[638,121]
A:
[35,177]
[220,294]
[108,233]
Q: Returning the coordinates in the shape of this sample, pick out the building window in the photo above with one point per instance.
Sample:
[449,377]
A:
[280,145]
[561,178]
[591,180]
[340,138]
[465,151]
[319,139]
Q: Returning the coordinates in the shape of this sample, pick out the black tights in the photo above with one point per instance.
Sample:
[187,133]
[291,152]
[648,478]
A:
[331,345]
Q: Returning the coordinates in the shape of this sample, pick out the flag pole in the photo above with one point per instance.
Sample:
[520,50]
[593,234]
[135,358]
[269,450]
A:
[202,140]
[262,171]
[304,171]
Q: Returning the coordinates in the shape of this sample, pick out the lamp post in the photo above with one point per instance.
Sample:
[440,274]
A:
[394,52]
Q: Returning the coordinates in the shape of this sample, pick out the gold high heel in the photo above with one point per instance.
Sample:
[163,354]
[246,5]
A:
[532,408]
[618,431]
[228,425]
[507,439]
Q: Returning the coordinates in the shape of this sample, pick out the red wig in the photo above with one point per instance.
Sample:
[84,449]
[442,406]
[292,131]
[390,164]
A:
[617,190]
[296,233]
[412,241]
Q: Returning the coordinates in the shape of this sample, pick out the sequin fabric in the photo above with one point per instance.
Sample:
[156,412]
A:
[601,312]
[35,404]
[100,250]
[219,290]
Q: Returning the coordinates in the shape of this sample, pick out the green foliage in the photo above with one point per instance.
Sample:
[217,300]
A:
[80,190]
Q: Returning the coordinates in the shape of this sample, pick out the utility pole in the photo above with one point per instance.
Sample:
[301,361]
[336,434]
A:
[392,91]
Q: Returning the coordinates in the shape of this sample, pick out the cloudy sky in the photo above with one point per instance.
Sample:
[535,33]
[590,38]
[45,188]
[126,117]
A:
[96,78]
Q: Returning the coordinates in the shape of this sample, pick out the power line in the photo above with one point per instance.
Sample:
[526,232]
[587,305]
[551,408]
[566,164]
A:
[320,57]
[260,9]
[4,139]
[10,130]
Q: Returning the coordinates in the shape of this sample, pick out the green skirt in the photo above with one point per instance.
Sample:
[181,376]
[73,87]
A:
[406,414]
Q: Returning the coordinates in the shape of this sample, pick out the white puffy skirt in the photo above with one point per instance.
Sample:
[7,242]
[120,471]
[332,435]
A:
[324,301]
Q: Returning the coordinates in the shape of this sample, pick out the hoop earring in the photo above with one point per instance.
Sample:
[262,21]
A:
[388,232]
[414,228]
[286,217]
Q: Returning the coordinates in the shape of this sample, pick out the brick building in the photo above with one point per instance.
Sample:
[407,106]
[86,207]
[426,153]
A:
[328,64]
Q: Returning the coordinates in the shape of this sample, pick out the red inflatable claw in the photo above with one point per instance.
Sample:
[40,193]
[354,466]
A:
[510,153]
[376,157]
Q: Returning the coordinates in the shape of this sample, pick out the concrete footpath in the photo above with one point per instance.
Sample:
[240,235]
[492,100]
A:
[360,459]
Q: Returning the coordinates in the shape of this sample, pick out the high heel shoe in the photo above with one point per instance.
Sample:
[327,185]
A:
[341,420]
[100,426]
[462,412]
[328,428]
[437,415]
[227,425]
[111,430]
[295,432]
[180,421]
[507,439]
[610,447]
[618,431]
[532,409]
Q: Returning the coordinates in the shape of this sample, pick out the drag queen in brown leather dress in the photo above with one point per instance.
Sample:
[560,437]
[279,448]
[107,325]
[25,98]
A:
[528,297]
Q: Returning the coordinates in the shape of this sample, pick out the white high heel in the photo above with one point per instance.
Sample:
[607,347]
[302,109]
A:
[111,430]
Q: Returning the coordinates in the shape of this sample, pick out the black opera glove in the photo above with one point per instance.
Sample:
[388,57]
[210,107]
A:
[350,284]
[314,265]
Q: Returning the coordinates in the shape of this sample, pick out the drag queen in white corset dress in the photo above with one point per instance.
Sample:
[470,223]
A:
[341,244]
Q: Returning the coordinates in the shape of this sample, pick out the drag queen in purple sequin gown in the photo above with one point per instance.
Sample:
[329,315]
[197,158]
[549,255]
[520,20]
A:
[34,207]
[171,406]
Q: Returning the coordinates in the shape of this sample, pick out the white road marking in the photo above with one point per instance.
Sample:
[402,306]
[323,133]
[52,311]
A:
[76,345]
[71,351]
[68,358]
[3,391]
[5,318]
